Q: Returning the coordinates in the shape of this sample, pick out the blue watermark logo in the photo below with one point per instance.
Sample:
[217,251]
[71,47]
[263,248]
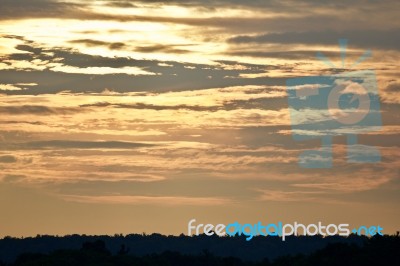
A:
[282,230]
[345,104]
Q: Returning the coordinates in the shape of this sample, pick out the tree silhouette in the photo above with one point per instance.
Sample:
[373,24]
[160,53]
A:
[378,250]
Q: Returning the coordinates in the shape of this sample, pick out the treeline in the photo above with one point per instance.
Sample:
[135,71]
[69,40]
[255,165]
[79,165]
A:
[354,250]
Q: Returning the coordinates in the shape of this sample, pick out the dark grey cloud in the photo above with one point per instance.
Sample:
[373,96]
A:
[91,43]
[162,48]
[154,107]
[176,49]
[28,48]
[72,144]
[263,103]
[17,9]
[390,114]
[271,4]
[306,14]
[173,79]
[10,122]
[235,24]
[120,3]
[381,39]
[25,9]
[8,159]
[291,55]
[13,178]
[172,76]
[299,15]
[393,87]
[258,103]
[36,109]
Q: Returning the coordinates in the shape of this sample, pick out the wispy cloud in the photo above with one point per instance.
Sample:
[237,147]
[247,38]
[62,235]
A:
[381,39]
[148,200]
[36,109]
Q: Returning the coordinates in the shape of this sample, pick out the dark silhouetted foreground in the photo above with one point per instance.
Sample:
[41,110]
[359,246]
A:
[183,250]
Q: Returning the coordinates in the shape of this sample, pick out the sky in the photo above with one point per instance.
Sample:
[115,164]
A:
[137,116]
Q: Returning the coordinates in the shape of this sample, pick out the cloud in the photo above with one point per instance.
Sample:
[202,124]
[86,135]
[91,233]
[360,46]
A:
[393,87]
[380,39]
[250,16]
[281,54]
[155,107]
[390,97]
[13,178]
[120,3]
[329,189]
[36,110]
[7,159]
[92,43]
[22,9]
[283,21]
[134,71]
[290,196]
[262,103]
[9,87]
[162,48]
[67,69]
[151,200]
[69,144]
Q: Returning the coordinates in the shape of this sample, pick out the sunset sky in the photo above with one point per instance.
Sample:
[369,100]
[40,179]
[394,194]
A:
[137,116]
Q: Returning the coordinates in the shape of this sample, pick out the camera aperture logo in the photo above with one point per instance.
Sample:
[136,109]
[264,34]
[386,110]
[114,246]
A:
[346,104]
